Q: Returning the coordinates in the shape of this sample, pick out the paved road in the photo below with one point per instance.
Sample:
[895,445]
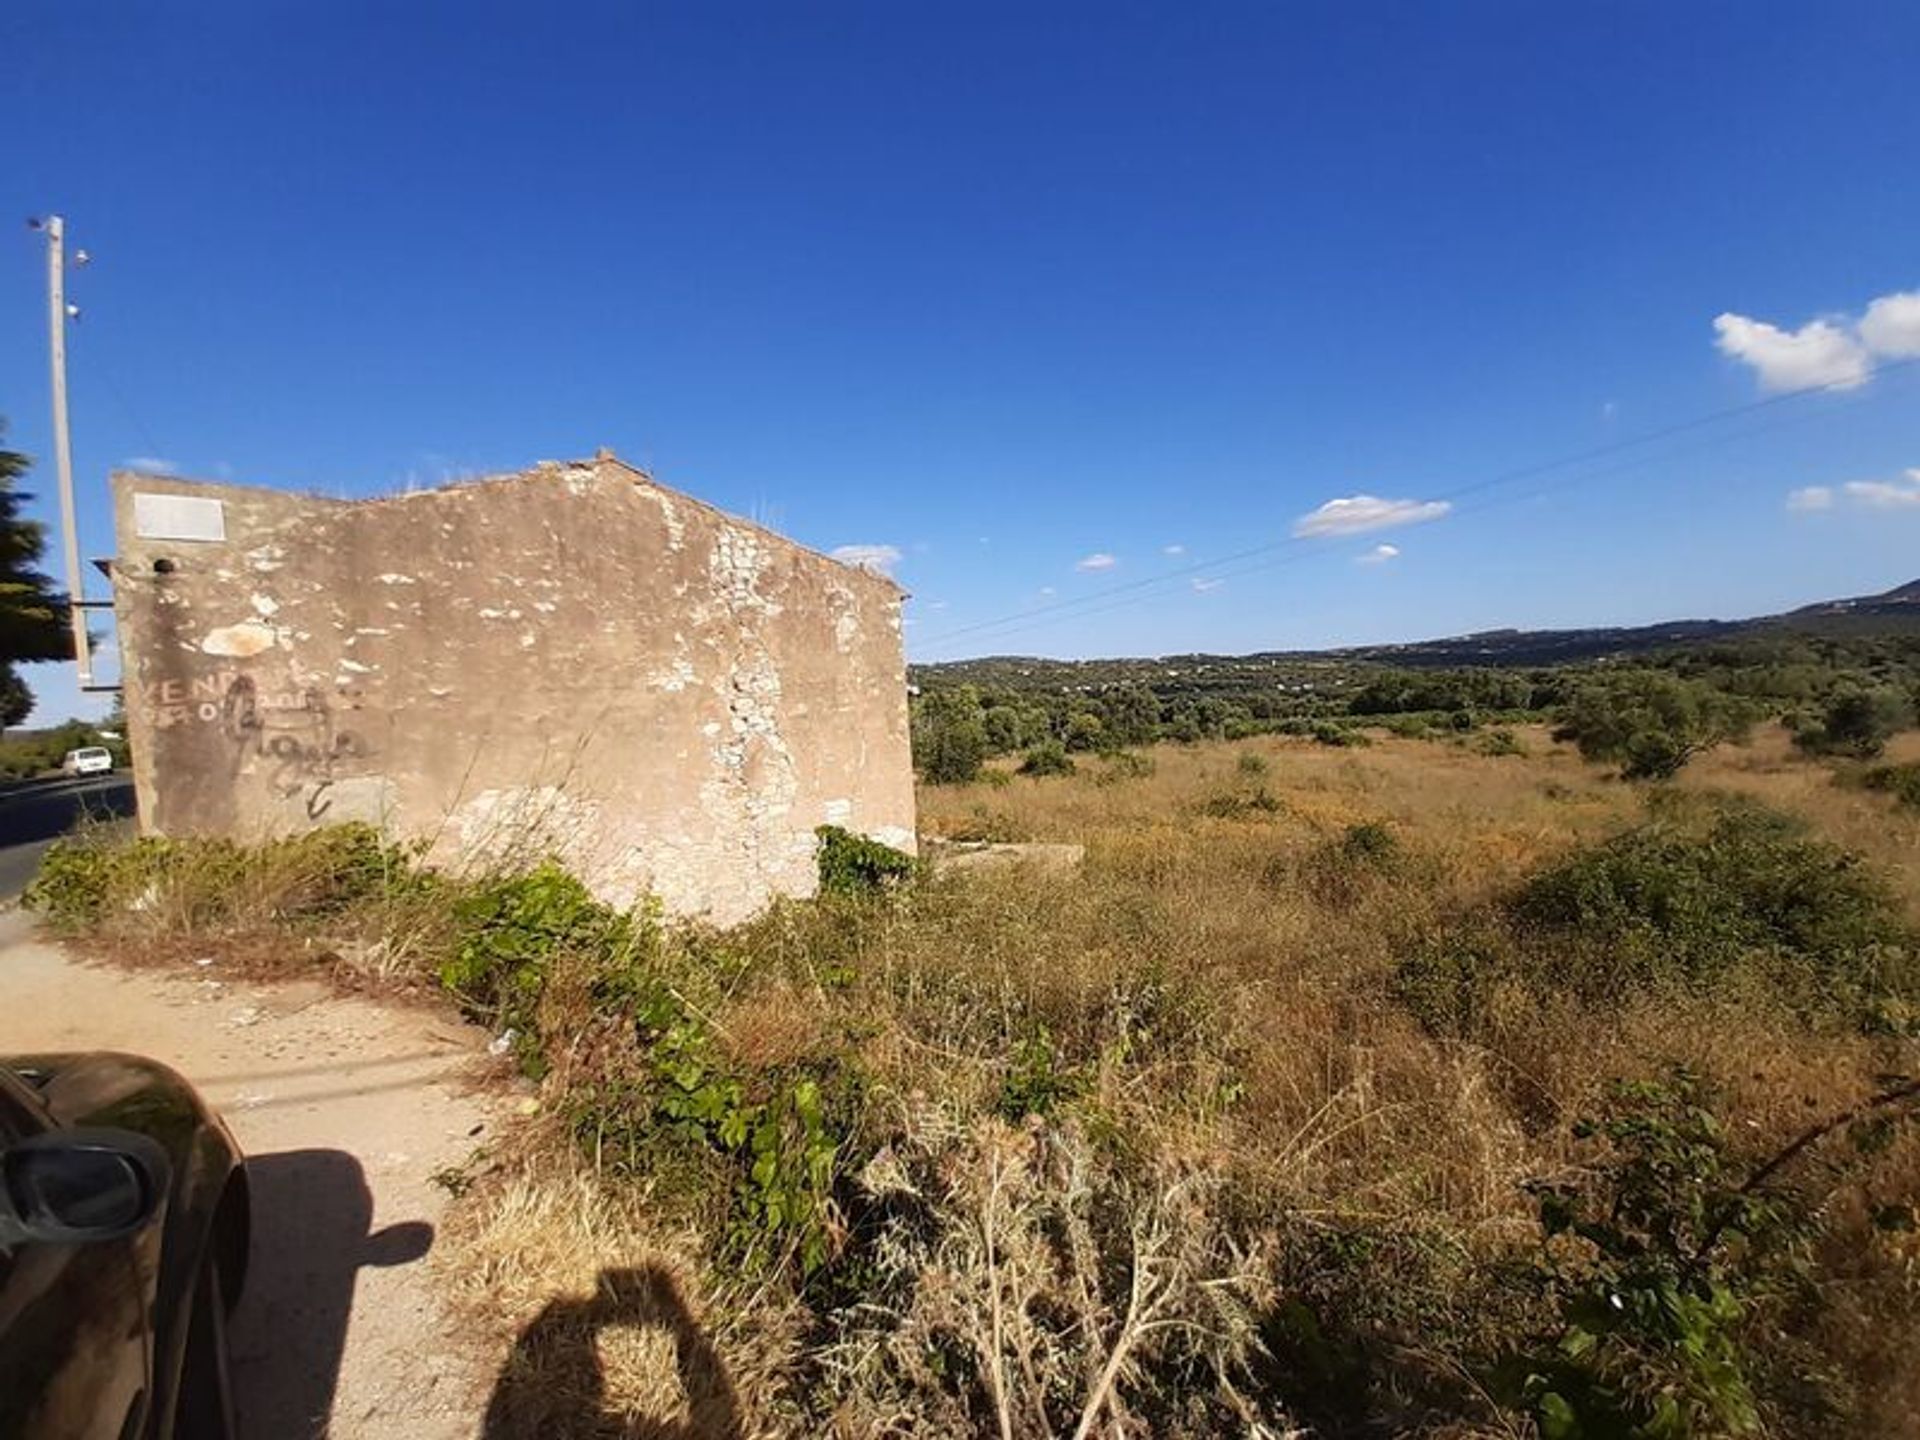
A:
[34,816]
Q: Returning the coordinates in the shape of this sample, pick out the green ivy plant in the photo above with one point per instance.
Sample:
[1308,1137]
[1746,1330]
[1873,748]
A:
[852,864]
[778,1136]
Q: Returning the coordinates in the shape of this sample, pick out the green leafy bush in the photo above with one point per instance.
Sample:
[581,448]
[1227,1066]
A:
[194,883]
[1655,1256]
[1499,743]
[852,864]
[1047,758]
[1856,720]
[1745,899]
[1326,732]
[1038,1082]
[1341,871]
[1752,888]
[1370,843]
[511,930]
[1651,723]
[949,734]
[81,881]
[774,1137]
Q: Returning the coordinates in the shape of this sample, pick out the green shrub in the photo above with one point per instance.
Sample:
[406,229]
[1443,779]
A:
[1340,871]
[1326,732]
[1746,899]
[852,864]
[1655,1256]
[1856,721]
[1038,1082]
[1240,804]
[949,734]
[1407,727]
[1372,844]
[194,883]
[1650,722]
[1126,764]
[511,930]
[1499,742]
[1753,886]
[773,1138]
[1900,781]
[80,882]
[1252,764]
[1047,758]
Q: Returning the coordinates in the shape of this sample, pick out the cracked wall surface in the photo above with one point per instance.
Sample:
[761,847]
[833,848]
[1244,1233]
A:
[571,661]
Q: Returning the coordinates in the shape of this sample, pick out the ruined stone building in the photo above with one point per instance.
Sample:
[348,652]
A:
[573,661]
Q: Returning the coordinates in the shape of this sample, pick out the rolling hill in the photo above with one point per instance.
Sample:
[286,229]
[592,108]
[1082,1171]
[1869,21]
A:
[1893,611]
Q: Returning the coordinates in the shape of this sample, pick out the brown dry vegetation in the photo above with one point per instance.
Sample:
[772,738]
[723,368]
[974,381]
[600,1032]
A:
[1219,979]
[1162,1146]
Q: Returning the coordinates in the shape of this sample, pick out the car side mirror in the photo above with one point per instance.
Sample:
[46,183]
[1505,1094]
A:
[76,1187]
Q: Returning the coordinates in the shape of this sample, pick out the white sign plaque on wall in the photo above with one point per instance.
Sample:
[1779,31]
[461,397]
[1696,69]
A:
[178,517]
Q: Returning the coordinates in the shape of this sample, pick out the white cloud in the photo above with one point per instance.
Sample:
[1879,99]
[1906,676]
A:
[1357,514]
[151,464]
[1610,410]
[1173,549]
[1821,352]
[1901,494]
[1099,560]
[1891,326]
[878,558]
[1379,555]
[1836,352]
[1048,590]
[1202,586]
[936,604]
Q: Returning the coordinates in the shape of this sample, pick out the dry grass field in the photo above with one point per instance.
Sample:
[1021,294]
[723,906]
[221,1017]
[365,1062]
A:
[1387,1089]
[1204,1018]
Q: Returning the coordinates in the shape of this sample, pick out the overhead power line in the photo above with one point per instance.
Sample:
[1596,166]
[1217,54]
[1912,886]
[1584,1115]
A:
[1098,601]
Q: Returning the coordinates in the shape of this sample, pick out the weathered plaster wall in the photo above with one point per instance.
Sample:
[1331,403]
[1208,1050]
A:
[573,660]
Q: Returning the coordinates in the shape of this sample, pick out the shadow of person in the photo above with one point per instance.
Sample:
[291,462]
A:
[312,1214]
[552,1384]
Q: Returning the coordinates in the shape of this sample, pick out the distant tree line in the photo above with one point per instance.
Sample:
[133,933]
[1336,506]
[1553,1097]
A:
[1842,694]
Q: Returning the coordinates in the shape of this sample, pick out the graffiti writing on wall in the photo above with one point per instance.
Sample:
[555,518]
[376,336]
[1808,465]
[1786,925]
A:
[294,732]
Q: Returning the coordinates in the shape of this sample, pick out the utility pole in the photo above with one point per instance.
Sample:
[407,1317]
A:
[55,229]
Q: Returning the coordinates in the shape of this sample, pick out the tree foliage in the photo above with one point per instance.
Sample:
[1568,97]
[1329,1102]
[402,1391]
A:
[1651,723]
[1857,721]
[950,735]
[16,700]
[33,622]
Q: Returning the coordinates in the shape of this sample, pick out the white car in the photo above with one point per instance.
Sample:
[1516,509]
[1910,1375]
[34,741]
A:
[88,760]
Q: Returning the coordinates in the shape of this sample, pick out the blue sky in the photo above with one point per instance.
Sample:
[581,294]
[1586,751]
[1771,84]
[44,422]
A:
[1004,289]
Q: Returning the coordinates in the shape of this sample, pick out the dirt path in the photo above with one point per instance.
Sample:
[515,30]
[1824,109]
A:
[346,1109]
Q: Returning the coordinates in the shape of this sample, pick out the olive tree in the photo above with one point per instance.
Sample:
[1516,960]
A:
[1651,723]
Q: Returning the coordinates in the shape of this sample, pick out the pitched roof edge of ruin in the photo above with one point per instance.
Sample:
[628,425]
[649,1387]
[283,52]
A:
[123,474]
[607,457]
[538,468]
